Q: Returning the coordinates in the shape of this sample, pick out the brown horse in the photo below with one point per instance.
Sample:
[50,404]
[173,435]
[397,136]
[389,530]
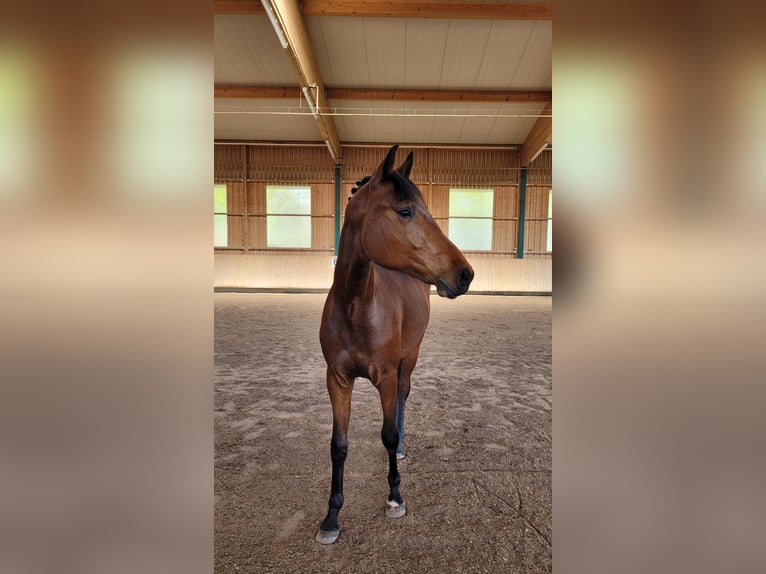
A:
[391,251]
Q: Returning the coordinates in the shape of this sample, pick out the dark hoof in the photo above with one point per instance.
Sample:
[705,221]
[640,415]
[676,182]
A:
[327,536]
[394,510]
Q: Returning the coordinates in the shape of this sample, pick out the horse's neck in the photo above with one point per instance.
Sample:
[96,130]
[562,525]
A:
[354,271]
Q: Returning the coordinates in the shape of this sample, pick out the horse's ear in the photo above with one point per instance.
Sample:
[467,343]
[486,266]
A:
[406,167]
[385,168]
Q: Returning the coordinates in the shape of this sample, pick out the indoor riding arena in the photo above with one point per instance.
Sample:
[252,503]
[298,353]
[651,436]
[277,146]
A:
[309,99]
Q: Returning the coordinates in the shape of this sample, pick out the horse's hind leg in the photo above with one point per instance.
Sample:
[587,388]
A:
[390,436]
[339,389]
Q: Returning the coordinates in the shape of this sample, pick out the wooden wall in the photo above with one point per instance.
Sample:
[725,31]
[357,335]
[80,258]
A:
[247,169]
[279,269]
[539,184]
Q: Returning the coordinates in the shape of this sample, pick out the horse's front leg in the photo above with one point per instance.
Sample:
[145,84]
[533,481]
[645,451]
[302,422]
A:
[339,389]
[401,452]
[403,391]
[388,389]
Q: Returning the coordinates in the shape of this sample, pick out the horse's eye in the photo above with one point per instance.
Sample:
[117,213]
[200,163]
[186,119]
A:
[406,212]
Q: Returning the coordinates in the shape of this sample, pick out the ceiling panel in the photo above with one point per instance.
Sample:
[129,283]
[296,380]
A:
[534,69]
[513,130]
[426,40]
[341,50]
[388,53]
[380,121]
[247,52]
[503,53]
[385,47]
[439,123]
[477,129]
[424,53]
[418,130]
[299,125]
[463,53]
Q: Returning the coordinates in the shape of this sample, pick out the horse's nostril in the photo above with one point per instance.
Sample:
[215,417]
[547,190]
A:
[466,276]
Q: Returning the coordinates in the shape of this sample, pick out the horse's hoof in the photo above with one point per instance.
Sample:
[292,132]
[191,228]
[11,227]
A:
[394,510]
[327,536]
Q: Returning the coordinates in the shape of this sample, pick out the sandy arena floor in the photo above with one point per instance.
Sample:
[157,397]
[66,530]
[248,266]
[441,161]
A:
[477,479]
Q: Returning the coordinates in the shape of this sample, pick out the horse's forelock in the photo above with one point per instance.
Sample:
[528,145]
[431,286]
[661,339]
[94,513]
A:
[406,190]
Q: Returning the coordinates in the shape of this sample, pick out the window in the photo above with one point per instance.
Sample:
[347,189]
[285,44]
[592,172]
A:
[549,244]
[220,219]
[470,218]
[288,216]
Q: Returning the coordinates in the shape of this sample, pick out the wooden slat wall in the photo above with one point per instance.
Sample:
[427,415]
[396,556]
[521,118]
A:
[359,162]
[536,222]
[345,195]
[474,167]
[506,213]
[540,170]
[437,200]
[256,204]
[500,273]
[539,181]
[323,216]
[435,170]
[280,269]
[301,164]
[274,269]
[228,163]
[235,208]
[283,164]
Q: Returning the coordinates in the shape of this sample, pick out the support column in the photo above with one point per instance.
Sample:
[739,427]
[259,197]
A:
[522,211]
[246,217]
[337,208]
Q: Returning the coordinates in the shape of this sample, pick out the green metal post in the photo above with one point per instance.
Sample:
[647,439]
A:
[337,208]
[522,211]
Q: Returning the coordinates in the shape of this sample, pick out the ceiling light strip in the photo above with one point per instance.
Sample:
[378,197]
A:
[274,23]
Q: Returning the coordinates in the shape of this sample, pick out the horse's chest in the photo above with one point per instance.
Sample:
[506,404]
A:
[381,323]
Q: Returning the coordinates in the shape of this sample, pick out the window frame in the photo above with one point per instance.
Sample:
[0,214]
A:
[269,215]
[549,231]
[490,218]
[221,216]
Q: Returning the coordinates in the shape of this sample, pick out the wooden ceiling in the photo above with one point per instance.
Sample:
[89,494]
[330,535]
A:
[384,71]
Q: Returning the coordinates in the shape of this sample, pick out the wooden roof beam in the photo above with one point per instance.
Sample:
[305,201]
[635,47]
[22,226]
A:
[238,7]
[539,136]
[256,92]
[457,10]
[516,96]
[303,57]
[439,95]
[417,9]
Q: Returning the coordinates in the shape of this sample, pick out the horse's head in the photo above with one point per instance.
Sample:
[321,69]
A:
[398,232]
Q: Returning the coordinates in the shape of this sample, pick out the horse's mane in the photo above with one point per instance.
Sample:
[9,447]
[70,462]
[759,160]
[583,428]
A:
[360,183]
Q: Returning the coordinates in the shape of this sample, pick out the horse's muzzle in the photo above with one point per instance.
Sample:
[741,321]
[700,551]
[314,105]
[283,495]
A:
[464,279]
